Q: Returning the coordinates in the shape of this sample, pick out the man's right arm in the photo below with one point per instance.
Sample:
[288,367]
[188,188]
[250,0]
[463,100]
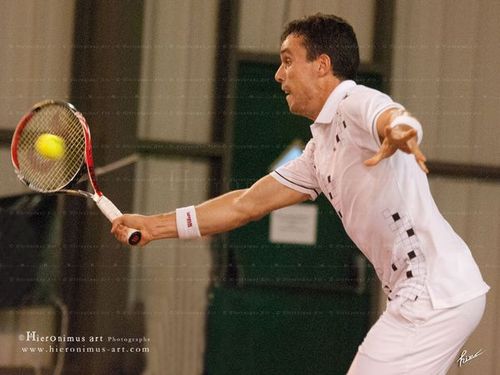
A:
[221,214]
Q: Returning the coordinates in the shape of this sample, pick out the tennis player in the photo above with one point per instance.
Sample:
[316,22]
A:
[364,155]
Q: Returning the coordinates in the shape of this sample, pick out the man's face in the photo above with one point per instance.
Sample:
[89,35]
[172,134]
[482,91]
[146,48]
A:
[298,78]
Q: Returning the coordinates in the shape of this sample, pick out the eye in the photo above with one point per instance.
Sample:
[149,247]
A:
[287,62]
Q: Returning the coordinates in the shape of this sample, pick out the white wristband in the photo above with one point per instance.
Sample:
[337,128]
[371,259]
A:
[187,223]
[410,121]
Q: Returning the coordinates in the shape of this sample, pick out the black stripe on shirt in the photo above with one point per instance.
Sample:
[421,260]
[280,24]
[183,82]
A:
[302,186]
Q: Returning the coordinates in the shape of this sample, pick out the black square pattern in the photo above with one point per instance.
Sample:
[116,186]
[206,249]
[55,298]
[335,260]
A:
[396,217]
[412,254]
[410,232]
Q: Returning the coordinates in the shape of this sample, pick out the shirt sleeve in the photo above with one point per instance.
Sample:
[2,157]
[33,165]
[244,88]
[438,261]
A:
[299,174]
[363,109]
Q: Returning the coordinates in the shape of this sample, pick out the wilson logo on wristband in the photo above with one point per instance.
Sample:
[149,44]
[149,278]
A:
[187,223]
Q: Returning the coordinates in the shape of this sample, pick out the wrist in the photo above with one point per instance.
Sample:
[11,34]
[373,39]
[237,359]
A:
[409,121]
[162,226]
[187,223]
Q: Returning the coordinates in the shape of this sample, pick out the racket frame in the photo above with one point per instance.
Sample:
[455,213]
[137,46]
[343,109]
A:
[104,204]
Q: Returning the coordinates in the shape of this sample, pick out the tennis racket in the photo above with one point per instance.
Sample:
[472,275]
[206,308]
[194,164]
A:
[59,174]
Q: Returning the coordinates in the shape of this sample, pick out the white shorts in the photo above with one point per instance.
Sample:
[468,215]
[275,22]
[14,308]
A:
[412,338]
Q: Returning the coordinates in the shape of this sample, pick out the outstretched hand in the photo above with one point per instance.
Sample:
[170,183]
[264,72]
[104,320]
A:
[400,137]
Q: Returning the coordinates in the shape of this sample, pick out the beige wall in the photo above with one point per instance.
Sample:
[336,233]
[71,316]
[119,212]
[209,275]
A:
[14,325]
[36,39]
[35,57]
[446,56]
[473,209]
[178,67]
[35,62]
[176,97]
[262,21]
[171,277]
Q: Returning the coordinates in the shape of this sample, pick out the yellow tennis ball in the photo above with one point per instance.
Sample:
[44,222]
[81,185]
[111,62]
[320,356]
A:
[50,146]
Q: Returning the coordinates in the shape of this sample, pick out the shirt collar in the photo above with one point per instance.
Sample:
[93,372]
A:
[330,107]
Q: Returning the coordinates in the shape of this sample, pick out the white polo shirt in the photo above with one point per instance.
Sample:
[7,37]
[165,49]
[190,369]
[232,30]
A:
[387,210]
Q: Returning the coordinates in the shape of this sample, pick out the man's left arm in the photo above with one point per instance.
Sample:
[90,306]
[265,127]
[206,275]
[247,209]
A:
[398,130]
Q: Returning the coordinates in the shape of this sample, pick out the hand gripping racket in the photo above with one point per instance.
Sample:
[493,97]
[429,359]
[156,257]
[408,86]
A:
[57,174]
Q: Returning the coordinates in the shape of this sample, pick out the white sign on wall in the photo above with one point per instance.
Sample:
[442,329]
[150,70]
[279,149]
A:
[294,225]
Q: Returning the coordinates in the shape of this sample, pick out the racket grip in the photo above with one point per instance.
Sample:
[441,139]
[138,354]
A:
[112,212]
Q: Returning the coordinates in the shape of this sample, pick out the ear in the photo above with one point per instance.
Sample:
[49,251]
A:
[324,64]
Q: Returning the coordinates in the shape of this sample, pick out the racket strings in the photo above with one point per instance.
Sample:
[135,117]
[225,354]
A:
[45,174]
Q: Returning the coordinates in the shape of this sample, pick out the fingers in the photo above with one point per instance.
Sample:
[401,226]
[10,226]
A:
[421,159]
[399,134]
[374,160]
[116,223]
[120,229]
[400,138]
[406,136]
[379,157]
[407,141]
[121,226]
[385,151]
[397,139]
[121,234]
[414,149]
[423,166]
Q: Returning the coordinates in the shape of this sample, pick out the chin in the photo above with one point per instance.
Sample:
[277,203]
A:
[292,108]
[295,110]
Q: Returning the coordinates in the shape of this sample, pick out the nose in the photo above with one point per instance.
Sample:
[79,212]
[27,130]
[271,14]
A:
[278,76]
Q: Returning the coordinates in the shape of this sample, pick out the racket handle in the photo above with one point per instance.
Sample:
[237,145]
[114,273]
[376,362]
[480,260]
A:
[112,212]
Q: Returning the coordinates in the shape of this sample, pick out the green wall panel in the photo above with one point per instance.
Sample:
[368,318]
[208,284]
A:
[266,331]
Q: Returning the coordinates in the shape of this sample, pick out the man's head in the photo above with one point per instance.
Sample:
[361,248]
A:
[329,35]
[316,54]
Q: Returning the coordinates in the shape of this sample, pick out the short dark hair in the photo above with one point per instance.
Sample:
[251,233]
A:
[330,35]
